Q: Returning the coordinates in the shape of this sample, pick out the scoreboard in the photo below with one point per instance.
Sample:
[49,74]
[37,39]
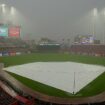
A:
[3,31]
[84,39]
[14,31]
[9,31]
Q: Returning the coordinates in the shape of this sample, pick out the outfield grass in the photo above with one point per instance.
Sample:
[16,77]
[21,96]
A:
[46,57]
[93,88]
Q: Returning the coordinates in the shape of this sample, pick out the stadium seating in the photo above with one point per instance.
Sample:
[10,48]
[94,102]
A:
[9,97]
[12,46]
[95,50]
[12,42]
[6,99]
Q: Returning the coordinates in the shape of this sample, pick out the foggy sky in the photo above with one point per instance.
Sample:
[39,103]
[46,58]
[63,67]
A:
[57,19]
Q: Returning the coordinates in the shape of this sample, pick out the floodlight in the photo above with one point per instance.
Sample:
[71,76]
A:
[95,12]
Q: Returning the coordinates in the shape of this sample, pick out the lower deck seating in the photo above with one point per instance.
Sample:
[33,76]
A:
[97,50]
[5,99]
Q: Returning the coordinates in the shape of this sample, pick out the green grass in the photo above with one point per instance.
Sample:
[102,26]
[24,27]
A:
[47,57]
[93,88]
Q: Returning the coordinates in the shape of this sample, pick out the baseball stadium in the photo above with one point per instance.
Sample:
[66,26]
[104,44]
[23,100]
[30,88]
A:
[48,71]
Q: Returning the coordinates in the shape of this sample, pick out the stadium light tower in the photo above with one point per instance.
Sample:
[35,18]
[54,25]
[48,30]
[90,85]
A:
[104,27]
[104,12]
[12,14]
[95,14]
[12,11]
[3,5]
[3,8]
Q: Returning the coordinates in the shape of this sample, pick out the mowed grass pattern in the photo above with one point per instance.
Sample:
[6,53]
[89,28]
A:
[95,87]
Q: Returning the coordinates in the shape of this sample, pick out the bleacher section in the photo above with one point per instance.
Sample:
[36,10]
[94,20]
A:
[95,50]
[12,46]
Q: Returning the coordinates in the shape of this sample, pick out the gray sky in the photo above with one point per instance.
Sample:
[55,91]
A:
[57,19]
